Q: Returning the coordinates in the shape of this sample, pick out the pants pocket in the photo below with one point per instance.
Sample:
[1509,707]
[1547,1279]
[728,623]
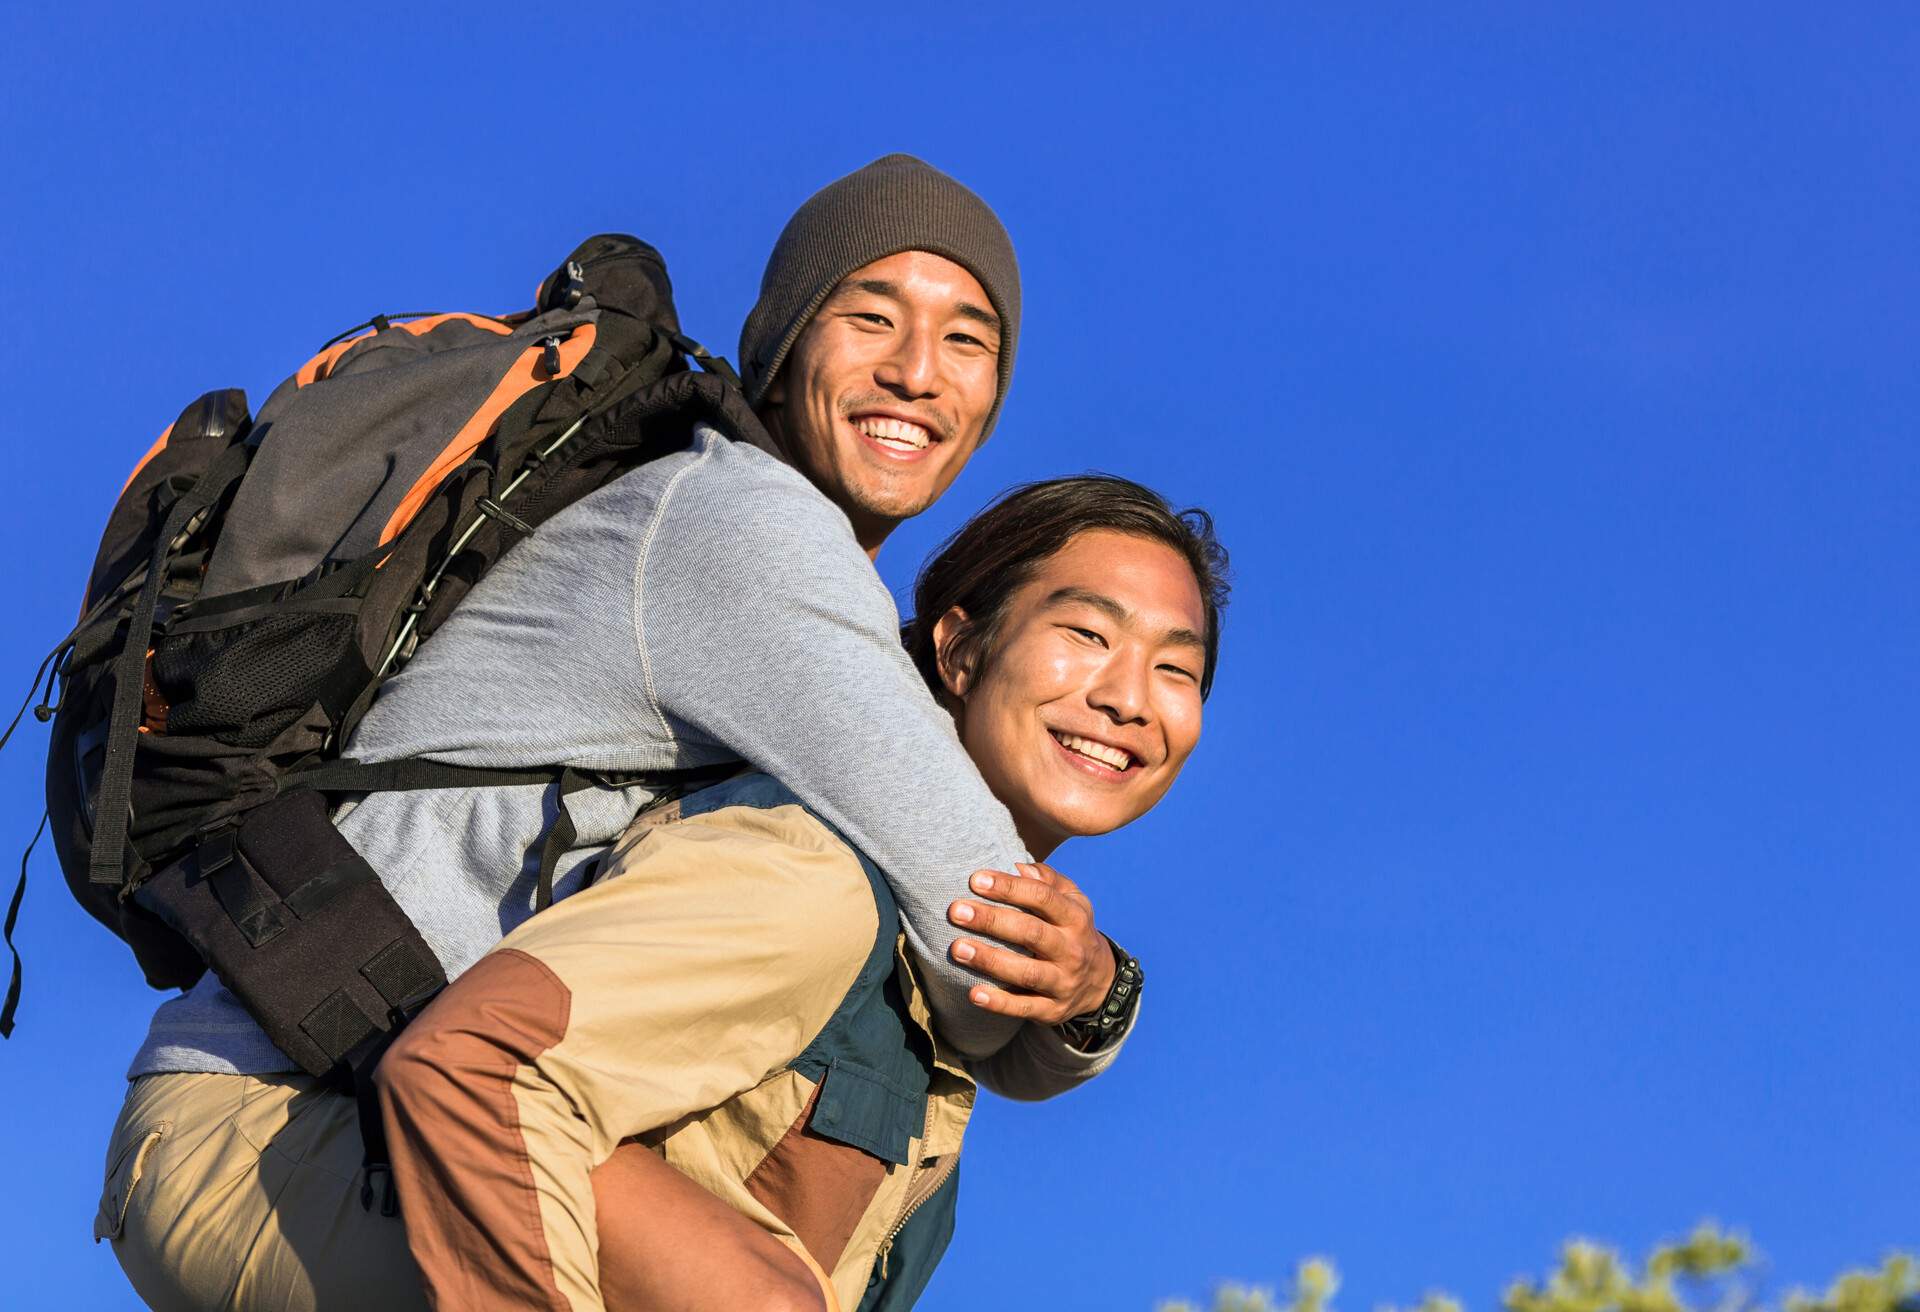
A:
[127,1163]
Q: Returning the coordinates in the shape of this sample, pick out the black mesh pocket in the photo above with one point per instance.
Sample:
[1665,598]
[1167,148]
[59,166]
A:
[244,683]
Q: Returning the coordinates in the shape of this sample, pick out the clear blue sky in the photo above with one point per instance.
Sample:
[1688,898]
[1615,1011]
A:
[1549,862]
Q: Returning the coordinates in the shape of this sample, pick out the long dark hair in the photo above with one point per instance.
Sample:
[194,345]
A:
[983,564]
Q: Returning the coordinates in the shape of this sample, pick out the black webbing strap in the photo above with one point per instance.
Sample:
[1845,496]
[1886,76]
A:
[107,862]
[347,775]
[408,983]
[13,918]
[664,784]
[350,776]
[559,838]
[700,355]
[375,1165]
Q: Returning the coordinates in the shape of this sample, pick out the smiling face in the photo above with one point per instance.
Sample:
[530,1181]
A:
[885,394]
[1088,705]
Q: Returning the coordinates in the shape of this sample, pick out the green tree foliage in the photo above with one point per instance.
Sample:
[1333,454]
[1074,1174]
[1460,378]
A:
[1706,1272]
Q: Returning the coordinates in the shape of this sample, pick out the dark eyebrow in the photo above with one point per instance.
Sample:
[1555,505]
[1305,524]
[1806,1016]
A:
[966,309]
[1175,637]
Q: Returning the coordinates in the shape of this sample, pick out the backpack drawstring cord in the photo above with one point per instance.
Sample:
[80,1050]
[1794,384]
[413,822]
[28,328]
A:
[48,671]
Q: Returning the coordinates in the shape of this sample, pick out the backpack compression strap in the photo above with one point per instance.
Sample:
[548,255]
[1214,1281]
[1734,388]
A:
[107,862]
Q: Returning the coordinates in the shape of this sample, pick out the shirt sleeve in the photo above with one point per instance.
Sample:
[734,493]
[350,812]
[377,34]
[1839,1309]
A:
[762,626]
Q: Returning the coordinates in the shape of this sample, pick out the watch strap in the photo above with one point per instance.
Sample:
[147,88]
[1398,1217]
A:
[1098,1028]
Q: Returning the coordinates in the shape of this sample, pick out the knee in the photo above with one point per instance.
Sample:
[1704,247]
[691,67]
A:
[502,1014]
[409,1068]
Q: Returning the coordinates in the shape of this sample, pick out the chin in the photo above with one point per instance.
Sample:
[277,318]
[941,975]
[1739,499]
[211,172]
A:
[1082,821]
[894,502]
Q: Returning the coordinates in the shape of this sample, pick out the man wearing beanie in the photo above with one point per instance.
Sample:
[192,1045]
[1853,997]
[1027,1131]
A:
[896,218]
[717,604]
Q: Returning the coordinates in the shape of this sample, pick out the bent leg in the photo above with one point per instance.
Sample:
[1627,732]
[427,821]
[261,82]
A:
[652,1217]
[231,1191]
[707,961]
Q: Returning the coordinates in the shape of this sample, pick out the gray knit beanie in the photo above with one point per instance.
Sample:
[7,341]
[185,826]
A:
[897,203]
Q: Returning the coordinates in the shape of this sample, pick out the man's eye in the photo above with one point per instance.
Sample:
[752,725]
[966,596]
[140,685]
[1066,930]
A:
[967,339]
[1089,634]
[1182,672]
[869,316]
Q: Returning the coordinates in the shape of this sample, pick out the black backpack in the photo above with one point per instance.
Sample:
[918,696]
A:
[261,576]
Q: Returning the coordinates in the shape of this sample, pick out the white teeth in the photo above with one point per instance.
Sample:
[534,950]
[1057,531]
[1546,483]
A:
[895,433]
[1105,755]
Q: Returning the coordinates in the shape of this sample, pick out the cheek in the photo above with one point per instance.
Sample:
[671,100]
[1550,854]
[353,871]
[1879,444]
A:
[1182,720]
[1005,708]
[979,392]
[1036,668]
[1055,669]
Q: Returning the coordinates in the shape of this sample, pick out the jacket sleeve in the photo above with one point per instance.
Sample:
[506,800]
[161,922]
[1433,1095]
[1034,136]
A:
[1039,1063]
[762,626]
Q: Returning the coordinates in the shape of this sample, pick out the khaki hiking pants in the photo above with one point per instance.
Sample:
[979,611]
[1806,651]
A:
[643,1007]
[241,1191]
[661,1005]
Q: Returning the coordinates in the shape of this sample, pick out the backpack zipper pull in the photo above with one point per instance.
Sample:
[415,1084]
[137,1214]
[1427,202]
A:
[552,345]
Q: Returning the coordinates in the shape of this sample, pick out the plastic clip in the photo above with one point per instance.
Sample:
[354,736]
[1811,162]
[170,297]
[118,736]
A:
[494,510]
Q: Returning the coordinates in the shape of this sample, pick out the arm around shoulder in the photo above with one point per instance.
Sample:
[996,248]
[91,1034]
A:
[765,629]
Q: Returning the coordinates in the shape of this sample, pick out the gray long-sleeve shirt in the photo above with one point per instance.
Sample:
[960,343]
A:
[709,606]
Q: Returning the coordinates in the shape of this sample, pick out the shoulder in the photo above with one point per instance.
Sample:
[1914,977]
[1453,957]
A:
[740,537]
[737,498]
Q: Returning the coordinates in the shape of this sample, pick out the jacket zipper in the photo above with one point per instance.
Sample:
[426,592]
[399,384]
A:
[915,1204]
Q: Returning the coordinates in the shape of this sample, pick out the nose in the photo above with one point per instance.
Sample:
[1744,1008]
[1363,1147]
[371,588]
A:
[912,368]
[1120,689]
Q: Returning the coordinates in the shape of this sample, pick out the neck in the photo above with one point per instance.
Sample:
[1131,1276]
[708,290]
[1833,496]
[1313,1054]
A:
[1041,846]
[869,531]
[871,539]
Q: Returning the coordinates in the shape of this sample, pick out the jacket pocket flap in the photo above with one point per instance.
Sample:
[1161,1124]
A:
[861,1107]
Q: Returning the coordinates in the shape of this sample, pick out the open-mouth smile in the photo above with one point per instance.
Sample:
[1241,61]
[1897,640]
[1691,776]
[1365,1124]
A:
[894,436]
[1102,760]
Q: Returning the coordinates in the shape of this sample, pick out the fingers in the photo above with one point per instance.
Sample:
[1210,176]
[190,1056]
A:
[1046,874]
[1012,968]
[1040,894]
[1040,910]
[1008,924]
[1021,1005]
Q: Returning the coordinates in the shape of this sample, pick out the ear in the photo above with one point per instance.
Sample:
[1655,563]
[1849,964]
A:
[951,657]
